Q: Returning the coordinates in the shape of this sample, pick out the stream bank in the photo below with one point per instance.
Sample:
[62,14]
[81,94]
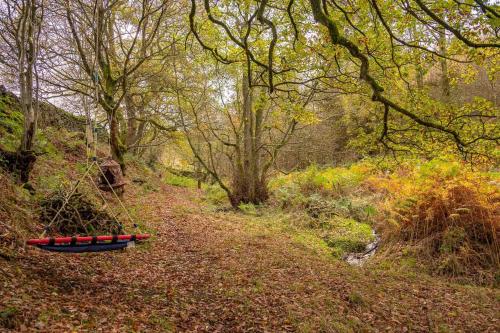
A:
[359,258]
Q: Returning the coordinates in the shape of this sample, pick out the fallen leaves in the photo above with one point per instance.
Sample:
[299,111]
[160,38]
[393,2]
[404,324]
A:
[205,273]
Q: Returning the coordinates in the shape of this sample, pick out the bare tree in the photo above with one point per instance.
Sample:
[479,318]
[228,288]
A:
[110,48]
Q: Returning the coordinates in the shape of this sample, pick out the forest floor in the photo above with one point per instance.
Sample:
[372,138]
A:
[215,272]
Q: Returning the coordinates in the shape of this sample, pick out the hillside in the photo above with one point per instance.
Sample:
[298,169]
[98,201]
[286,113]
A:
[50,116]
[210,269]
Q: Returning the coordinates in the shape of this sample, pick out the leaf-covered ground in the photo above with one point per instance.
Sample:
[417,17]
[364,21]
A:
[209,272]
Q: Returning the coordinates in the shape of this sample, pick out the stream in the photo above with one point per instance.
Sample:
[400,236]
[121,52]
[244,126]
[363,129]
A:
[359,258]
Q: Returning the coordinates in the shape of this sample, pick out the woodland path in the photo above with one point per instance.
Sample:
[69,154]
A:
[205,272]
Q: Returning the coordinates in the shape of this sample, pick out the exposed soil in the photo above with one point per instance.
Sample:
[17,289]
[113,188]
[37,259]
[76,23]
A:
[206,272]
[20,163]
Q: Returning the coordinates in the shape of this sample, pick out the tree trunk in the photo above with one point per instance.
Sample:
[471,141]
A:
[248,186]
[247,136]
[259,186]
[445,81]
[117,147]
[132,129]
[135,129]
[26,62]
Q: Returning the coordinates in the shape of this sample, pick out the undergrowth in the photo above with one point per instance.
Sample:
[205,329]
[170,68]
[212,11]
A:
[442,211]
[16,205]
[448,214]
[62,161]
[11,124]
[215,195]
[330,203]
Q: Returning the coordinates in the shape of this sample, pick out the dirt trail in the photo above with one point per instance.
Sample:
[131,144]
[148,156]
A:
[203,272]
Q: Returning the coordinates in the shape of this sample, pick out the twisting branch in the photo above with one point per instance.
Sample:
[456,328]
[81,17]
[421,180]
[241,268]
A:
[192,25]
[241,41]
[270,24]
[487,9]
[403,42]
[454,31]
[292,21]
[377,89]
[241,44]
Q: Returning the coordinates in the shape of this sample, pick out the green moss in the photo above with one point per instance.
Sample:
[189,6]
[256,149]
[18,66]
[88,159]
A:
[215,195]
[11,130]
[181,181]
[311,241]
[43,144]
[347,235]
[11,124]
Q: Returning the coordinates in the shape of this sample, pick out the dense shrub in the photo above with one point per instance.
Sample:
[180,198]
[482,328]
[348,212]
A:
[450,213]
[460,225]
[325,192]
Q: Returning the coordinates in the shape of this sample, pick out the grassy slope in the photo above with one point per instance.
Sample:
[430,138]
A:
[11,118]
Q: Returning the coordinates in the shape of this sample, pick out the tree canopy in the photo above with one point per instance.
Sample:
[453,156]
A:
[242,80]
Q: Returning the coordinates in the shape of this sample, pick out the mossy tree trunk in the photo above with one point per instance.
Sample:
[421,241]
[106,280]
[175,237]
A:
[135,128]
[249,185]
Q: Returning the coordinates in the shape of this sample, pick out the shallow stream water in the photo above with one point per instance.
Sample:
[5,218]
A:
[359,258]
